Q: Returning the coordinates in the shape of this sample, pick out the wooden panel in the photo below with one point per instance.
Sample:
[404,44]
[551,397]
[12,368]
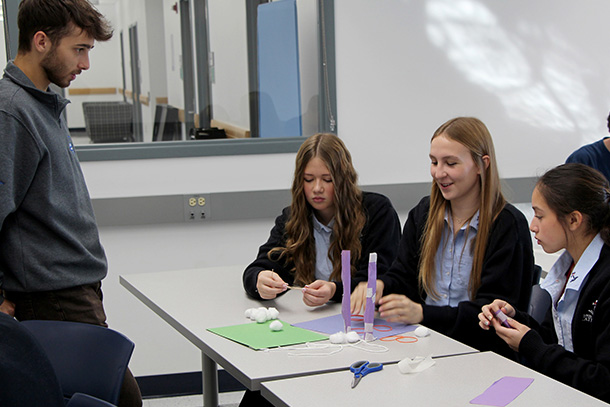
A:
[92,91]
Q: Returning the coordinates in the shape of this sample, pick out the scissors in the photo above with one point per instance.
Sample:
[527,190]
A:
[361,369]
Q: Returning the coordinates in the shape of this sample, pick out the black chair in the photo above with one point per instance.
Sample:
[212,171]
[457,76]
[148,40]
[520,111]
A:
[87,359]
[109,122]
[27,377]
[540,303]
[84,400]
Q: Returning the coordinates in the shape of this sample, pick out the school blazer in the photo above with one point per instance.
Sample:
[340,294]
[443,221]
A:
[508,268]
[381,235]
[588,367]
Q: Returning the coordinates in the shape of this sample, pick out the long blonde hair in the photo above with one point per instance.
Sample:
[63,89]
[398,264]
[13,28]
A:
[350,218]
[474,135]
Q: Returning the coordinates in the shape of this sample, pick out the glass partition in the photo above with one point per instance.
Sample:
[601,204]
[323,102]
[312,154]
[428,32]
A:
[180,78]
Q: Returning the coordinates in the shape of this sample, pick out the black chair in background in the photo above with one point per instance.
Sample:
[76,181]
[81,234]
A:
[540,303]
[540,299]
[167,125]
[109,122]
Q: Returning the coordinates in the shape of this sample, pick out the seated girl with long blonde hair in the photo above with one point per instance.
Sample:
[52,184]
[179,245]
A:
[462,246]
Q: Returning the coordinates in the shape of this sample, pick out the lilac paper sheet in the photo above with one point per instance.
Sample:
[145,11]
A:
[503,391]
[334,324]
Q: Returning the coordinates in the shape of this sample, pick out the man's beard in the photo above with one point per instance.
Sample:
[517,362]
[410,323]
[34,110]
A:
[55,70]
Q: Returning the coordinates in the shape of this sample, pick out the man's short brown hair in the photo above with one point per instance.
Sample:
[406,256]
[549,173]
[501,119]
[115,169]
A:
[53,17]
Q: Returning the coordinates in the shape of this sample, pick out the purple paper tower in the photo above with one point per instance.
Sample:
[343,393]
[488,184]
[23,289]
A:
[369,311]
[346,278]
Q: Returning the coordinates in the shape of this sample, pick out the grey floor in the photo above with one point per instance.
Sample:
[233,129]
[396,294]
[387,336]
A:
[231,399]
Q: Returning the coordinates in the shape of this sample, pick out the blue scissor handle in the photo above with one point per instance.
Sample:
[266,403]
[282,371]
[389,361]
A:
[371,367]
[356,367]
[363,367]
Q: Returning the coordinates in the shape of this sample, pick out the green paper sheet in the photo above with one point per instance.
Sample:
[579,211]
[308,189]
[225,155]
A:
[260,336]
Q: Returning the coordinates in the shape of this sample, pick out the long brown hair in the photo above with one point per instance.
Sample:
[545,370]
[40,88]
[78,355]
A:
[474,135]
[350,218]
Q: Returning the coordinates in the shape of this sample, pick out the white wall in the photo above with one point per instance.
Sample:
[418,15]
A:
[229,73]
[2,46]
[536,73]
[104,71]
[173,54]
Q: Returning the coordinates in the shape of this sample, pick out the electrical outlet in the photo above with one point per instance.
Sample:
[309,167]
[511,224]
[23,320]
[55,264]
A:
[196,208]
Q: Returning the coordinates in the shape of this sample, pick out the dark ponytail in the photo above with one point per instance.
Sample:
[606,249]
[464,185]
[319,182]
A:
[577,187]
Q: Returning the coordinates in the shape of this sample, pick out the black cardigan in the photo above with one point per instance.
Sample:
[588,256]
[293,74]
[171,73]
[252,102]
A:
[508,268]
[381,234]
[588,367]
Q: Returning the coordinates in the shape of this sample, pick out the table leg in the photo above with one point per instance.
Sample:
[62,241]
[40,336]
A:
[210,381]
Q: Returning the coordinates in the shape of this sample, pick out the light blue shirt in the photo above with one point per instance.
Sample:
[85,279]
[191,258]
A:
[322,234]
[453,262]
[564,305]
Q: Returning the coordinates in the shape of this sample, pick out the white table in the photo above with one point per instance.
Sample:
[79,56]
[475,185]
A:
[192,301]
[453,381]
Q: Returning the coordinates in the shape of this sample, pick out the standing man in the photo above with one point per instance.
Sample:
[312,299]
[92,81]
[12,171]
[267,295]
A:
[51,258]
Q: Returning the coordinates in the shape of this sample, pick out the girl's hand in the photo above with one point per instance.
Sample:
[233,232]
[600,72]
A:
[318,293]
[358,296]
[399,308]
[512,336]
[269,284]
[488,312]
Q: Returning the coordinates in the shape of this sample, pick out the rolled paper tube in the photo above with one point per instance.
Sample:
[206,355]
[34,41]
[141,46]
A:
[503,318]
[369,311]
[346,278]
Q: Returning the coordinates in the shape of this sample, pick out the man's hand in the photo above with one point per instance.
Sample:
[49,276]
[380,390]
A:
[8,307]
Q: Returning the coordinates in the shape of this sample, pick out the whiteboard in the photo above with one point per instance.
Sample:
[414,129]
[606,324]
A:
[536,72]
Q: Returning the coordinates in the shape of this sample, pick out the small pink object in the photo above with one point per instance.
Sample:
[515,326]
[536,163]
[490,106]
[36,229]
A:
[503,318]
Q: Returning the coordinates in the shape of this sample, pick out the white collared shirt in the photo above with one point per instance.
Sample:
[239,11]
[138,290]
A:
[564,304]
[453,262]
[322,234]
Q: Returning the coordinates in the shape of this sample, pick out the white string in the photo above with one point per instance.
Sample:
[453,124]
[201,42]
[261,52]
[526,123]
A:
[330,348]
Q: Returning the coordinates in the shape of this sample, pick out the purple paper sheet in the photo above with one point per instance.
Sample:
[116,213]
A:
[334,324]
[503,391]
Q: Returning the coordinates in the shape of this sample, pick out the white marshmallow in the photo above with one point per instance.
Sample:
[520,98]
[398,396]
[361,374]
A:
[248,312]
[272,313]
[260,315]
[421,331]
[339,337]
[276,325]
[352,336]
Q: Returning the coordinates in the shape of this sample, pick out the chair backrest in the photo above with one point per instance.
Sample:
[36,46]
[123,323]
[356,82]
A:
[84,400]
[108,122]
[540,303]
[27,377]
[87,358]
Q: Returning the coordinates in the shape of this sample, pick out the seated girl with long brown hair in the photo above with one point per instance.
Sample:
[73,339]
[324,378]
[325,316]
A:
[329,213]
